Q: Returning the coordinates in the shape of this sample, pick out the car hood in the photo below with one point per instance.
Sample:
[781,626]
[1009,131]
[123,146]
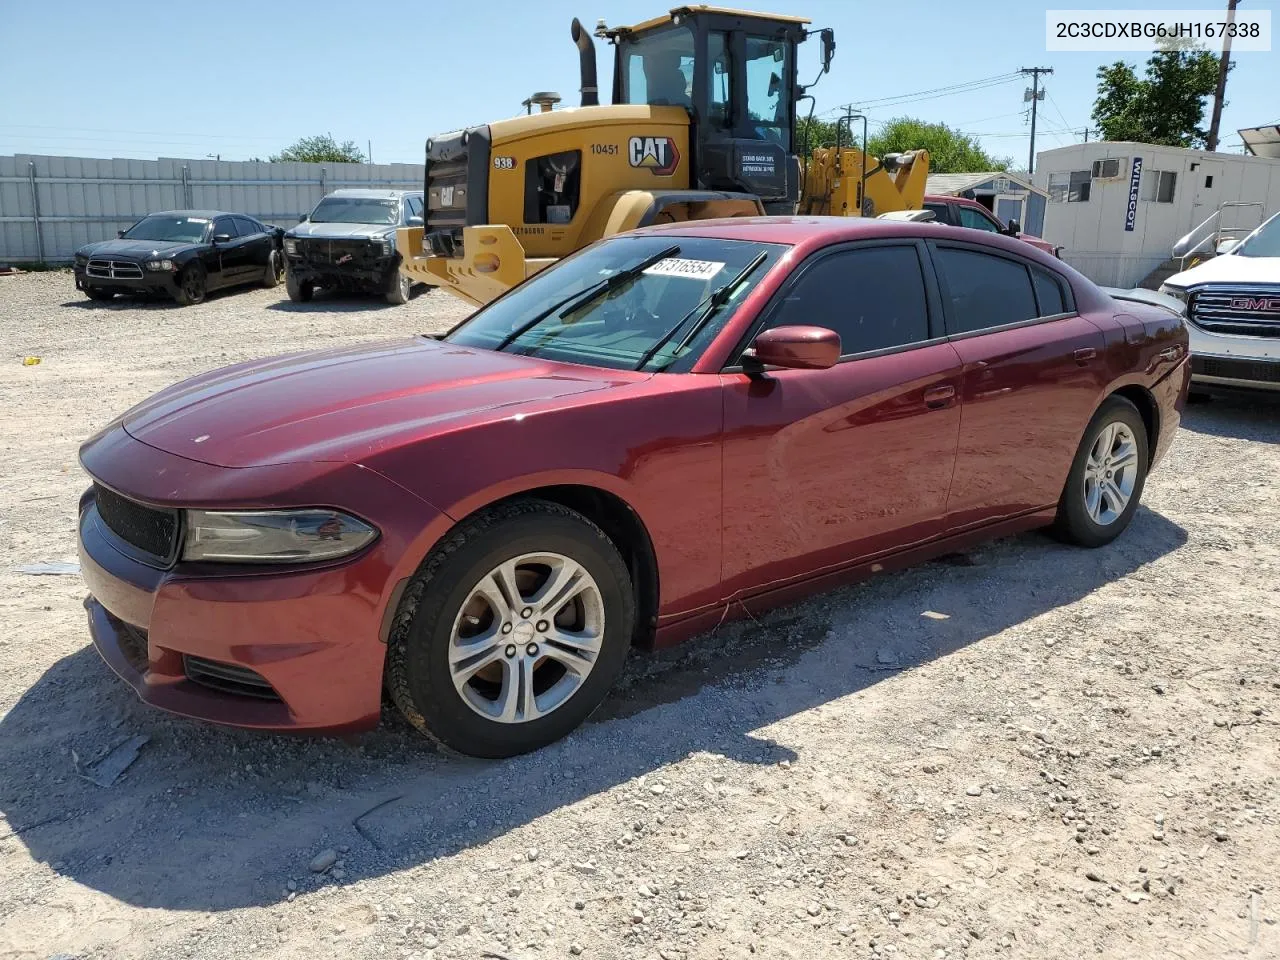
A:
[343,231]
[347,404]
[1230,268]
[135,249]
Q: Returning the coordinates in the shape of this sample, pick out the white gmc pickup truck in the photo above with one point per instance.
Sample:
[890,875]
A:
[1232,303]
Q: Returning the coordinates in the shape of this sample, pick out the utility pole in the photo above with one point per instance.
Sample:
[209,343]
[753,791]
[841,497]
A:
[1035,94]
[369,155]
[1086,134]
[1211,142]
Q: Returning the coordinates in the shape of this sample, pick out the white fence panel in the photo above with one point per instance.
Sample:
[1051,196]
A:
[50,206]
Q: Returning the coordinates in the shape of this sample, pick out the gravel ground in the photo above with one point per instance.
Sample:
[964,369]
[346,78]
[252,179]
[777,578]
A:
[1079,760]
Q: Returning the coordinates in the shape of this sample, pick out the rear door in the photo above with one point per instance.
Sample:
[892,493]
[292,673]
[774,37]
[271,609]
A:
[1032,378]
[824,467]
[257,247]
[228,253]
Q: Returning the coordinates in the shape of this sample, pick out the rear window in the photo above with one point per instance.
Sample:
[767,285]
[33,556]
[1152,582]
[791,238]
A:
[984,290]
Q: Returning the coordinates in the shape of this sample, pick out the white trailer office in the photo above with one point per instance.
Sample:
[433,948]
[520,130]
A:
[1118,208]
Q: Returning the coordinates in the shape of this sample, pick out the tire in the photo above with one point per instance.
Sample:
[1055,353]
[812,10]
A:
[275,270]
[398,290]
[1087,513]
[443,606]
[192,285]
[97,293]
[299,291]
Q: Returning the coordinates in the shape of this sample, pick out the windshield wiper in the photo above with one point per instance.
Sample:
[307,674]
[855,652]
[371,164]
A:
[576,301]
[709,305]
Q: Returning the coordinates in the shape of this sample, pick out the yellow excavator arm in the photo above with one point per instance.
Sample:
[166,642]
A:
[845,182]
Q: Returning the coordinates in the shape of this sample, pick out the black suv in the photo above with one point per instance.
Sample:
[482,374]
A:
[349,243]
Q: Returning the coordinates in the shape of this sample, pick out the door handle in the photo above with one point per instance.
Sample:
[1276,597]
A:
[940,396]
[1084,355]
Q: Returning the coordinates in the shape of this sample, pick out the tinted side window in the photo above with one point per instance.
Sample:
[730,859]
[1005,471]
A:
[1048,293]
[415,206]
[983,290]
[247,227]
[225,225]
[873,297]
[973,219]
[940,212]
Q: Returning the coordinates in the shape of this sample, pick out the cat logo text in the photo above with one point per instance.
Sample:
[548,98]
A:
[658,155]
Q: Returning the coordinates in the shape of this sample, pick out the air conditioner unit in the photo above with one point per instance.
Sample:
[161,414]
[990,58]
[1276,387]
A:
[1108,169]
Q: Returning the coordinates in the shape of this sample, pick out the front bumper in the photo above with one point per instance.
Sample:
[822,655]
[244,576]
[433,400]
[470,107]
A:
[288,649]
[1234,362]
[150,282]
[372,276]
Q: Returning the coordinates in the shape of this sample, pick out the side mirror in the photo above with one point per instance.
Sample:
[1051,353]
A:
[414,221]
[221,237]
[1013,228]
[828,47]
[1226,246]
[303,218]
[120,234]
[796,348]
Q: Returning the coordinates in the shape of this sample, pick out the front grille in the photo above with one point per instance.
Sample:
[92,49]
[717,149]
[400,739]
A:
[152,531]
[114,270]
[133,644]
[1257,371]
[457,186]
[228,678]
[1247,311]
[357,254]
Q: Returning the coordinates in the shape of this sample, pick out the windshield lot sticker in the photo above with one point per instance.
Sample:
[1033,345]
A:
[694,269]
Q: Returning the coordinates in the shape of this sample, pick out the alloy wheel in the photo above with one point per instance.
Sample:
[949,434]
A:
[1110,473]
[526,637]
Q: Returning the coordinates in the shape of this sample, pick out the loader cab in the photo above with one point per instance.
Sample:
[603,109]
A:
[735,72]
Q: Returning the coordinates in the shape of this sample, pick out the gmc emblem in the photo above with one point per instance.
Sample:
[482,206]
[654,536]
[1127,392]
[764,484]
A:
[1269,304]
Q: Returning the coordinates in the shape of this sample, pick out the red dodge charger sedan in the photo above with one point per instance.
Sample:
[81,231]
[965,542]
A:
[670,426]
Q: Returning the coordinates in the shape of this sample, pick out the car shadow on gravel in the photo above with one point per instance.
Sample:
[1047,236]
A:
[1254,416]
[338,301]
[213,819]
[153,301]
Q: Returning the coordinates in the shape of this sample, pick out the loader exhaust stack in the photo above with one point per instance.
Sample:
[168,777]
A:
[587,58]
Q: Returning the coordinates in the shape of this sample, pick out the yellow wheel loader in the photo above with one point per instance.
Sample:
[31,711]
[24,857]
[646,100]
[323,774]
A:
[702,124]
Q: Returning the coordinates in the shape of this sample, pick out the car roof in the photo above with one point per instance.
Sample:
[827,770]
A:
[374,193]
[949,198]
[808,231]
[205,214]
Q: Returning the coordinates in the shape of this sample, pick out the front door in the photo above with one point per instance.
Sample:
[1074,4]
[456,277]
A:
[1206,189]
[1009,206]
[824,467]
[1032,379]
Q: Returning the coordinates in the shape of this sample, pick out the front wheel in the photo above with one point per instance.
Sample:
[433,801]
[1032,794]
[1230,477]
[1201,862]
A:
[513,630]
[192,285]
[300,291]
[398,290]
[1107,476]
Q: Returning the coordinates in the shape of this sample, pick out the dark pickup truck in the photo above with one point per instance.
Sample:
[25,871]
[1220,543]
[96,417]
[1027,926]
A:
[348,242]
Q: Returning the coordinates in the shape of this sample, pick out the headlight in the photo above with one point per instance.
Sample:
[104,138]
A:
[159,265]
[290,246]
[388,245]
[1178,293]
[81,259]
[273,536]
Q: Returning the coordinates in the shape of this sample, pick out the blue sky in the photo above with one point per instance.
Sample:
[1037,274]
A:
[245,79]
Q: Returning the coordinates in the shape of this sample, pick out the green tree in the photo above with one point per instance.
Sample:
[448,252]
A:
[1166,106]
[950,151]
[321,149]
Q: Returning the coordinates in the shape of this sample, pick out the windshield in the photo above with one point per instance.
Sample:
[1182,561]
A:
[1263,242]
[619,328]
[658,69]
[173,229]
[356,210]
